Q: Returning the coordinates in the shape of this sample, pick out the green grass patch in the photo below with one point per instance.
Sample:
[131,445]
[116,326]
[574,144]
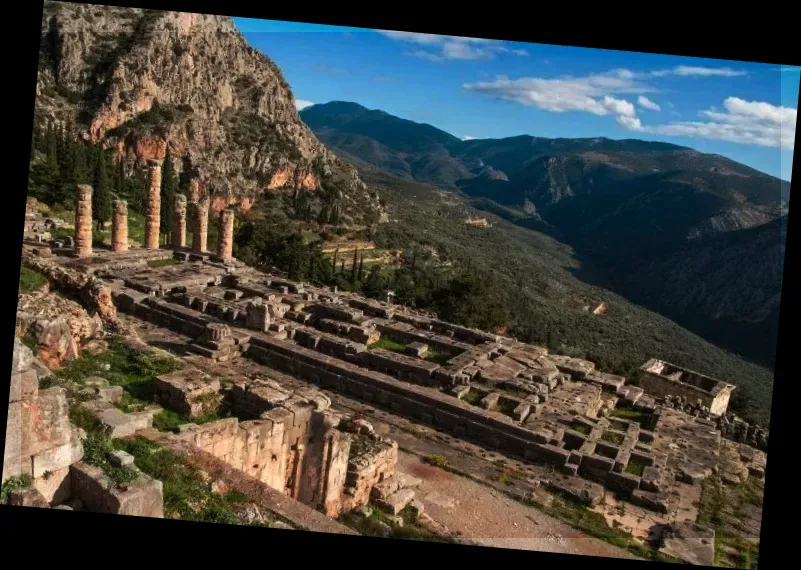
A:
[388,344]
[473,397]
[613,437]
[632,414]
[723,509]
[186,495]
[593,523]
[169,420]
[163,262]
[14,484]
[122,365]
[582,428]
[436,461]
[440,358]
[635,467]
[30,280]
[97,449]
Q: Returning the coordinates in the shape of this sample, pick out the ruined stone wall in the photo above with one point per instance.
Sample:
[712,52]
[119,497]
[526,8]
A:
[661,387]
[40,441]
[366,470]
[142,497]
[427,405]
[94,294]
[294,450]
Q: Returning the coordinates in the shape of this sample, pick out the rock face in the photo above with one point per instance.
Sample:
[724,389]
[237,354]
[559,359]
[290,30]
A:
[59,326]
[138,78]
[40,441]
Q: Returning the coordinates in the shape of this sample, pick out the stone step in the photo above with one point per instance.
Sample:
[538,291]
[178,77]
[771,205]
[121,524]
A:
[397,501]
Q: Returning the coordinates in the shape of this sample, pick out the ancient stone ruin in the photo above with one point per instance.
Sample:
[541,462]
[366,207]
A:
[597,433]
[153,207]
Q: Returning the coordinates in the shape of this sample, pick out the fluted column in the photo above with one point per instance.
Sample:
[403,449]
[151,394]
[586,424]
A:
[83,221]
[119,227]
[226,244]
[153,207]
[201,229]
[179,222]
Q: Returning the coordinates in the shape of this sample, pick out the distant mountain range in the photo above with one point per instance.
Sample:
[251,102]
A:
[695,236]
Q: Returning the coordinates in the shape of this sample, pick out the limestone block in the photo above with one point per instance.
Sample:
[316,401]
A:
[397,501]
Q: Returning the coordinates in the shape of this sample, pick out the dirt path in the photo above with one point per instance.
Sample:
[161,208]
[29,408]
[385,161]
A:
[489,518]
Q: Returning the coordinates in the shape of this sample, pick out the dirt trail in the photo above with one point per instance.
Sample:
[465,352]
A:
[489,518]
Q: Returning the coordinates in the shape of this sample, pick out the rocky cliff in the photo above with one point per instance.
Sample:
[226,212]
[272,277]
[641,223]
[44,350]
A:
[138,80]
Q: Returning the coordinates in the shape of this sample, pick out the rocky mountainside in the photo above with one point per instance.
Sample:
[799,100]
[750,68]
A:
[136,79]
[727,287]
[693,235]
[628,191]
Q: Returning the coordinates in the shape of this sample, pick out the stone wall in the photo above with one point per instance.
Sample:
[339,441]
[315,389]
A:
[291,448]
[40,441]
[142,497]
[661,379]
[427,405]
[94,294]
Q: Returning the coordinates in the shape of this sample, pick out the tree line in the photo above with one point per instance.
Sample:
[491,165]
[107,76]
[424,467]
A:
[464,295]
[61,159]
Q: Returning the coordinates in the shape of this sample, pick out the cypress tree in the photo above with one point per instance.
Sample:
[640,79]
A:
[361,267]
[354,264]
[334,260]
[101,191]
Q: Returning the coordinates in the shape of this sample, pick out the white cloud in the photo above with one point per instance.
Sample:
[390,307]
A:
[690,71]
[646,103]
[300,104]
[468,138]
[441,48]
[631,123]
[745,122]
[618,106]
[592,93]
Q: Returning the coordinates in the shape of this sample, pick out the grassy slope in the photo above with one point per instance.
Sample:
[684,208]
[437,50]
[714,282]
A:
[547,300]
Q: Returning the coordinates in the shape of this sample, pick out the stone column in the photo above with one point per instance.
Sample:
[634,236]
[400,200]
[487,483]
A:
[153,206]
[83,221]
[201,229]
[226,243]
[194,192]
[179,222]
[119,227]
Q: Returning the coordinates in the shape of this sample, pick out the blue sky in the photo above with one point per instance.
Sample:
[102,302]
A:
[476,88]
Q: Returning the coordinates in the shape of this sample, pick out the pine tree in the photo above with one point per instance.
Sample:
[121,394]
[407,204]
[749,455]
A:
[101,191]
[169,187]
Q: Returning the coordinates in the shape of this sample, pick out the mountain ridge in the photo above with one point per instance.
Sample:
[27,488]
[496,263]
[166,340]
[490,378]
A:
[629,208]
